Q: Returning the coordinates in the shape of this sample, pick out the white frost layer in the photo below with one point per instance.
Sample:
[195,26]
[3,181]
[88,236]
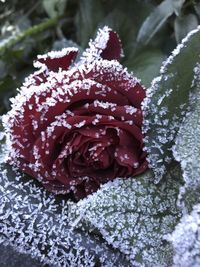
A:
[178,49]
[160,125]
[187,146]
[52,55]
[133,215]
[58,54]
[97,46]
[33,222]
[186,240]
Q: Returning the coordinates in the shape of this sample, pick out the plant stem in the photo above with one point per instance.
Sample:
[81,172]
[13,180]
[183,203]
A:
[8,43]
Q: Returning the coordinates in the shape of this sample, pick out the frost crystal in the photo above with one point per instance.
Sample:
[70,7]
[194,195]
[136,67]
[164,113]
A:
[133,215]
[186,240]
[187,147]
[37,224]
[97,46]
[167,101]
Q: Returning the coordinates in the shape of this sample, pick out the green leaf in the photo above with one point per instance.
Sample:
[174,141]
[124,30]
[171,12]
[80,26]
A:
[36,223]
[90,13]
[133,215]
[183,25]
[186,240]
[187,148]
[63,43]
[3,70]
[120,22]
[7,86]
[146,65]
[54,8]
[155,21]
[197,9]
[167,100]
[177,5]
[117,15]
[121,19]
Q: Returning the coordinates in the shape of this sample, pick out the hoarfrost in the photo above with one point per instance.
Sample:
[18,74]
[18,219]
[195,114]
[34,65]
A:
[58,54]
[133,215]
[2,135]
[187,148]
[97,46]
[186,240]
[35,223]
[10,257]
[169,93]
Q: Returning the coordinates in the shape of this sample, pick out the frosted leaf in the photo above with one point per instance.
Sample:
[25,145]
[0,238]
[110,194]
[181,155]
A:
[36,223]
[187,148]
[186,240]
[167,101]
[133,215]
[10,257]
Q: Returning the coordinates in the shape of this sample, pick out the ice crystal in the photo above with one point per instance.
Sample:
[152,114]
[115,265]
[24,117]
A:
[186,240]
[10,257]
[97,46]
[187,147]
[133,215]
[167,101]
[36,224]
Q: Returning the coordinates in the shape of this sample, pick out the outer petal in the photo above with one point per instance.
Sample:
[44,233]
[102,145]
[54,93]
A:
[106,45]
[34,109]
[56,60]
[112,74]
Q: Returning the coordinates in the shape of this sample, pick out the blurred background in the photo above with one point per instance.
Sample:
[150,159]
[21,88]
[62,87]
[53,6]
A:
[149,30]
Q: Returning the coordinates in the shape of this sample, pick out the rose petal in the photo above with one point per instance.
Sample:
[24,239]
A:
[66,123]
[122,113]
[106,45]
[113,49]
[56,60]
[31,110]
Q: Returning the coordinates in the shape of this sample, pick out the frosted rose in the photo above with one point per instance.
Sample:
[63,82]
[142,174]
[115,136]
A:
[75,127]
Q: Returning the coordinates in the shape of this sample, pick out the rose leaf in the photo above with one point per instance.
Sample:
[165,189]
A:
[187,148]
[146,65]
[183,25]
[133,215]
[186,240]
[54,8]
[167,101]
[36,224]
[89,14]
[157,19]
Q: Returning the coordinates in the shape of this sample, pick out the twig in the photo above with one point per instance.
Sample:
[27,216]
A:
[8,43]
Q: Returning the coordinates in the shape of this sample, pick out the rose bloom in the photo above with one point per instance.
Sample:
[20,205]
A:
[77,126]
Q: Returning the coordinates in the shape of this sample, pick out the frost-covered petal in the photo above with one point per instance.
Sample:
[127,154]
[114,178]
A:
[106,45]
[186,240]
[66,124]
[56,60]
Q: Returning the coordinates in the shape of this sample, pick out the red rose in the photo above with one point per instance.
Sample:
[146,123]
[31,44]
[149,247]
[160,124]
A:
[75,128]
